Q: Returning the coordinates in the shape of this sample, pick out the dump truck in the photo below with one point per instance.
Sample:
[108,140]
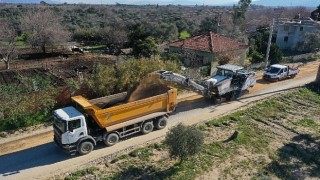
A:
[80,127]
[230,82]
[278,72]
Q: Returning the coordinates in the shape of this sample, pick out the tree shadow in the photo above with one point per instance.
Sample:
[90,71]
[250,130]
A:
[314,86]
[299,159]
[41,56]
[148,172]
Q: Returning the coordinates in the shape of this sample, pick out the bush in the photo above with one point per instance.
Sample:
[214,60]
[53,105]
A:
[109,80]
[256,57]
[184,141]
[27,103]
[275,55]
[184,35]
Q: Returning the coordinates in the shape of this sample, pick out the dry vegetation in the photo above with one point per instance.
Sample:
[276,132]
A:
[278,139]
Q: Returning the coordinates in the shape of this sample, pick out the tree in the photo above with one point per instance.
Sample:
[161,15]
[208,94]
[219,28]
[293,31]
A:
[275,54]
[43,28]
[103,81]
[311,42]
[145,47]
[209,24]
[184,141]
[240,11]
[315,15]
[8,47]
[256,57]
[239,16]
[115,38]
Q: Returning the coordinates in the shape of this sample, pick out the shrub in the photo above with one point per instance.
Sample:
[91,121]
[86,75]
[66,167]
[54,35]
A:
[27,103]
[184,141]
[256,57]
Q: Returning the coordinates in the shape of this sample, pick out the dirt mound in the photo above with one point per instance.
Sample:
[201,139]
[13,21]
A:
[150,86]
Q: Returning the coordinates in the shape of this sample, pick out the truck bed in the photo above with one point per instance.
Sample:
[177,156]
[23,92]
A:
[112,110]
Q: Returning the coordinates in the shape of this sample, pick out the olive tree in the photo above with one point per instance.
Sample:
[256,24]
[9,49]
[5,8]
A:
[8,47]
[184,141]
[311,42]
[43,28]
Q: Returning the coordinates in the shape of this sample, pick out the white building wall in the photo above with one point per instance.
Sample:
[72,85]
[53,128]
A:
[290,34]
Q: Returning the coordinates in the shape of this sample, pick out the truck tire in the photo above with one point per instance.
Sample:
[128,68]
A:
[85,147]
[111,139]
[147,127]
[161,123]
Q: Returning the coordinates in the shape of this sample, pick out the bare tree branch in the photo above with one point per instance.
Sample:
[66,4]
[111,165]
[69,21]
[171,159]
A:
[44,28]
[8,47]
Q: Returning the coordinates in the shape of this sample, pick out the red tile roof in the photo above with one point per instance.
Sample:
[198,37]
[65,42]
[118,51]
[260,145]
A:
[209,42]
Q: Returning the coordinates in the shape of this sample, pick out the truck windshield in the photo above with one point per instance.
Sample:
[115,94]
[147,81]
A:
[273,70]
[223,72]
[60,124]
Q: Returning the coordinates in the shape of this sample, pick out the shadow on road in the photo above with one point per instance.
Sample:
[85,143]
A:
[262,81]
[42,155]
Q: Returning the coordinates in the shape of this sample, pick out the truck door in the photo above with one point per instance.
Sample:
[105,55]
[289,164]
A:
[75,130]
[281,74]
[285,72]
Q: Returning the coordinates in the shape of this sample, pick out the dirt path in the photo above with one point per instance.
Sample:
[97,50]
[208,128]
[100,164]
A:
[37,156]
[306,70]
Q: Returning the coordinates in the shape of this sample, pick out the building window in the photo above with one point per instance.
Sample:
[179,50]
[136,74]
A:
[286,38]
[301,28]
[286,28]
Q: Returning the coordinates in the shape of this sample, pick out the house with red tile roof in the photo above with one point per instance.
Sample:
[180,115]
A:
[208,47]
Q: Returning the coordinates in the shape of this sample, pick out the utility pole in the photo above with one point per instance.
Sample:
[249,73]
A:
[269,44]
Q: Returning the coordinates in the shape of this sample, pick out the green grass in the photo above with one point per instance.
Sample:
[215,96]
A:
[307,123]
[81,173]
[143,153]
[119,158]
[184,35]
[95,47]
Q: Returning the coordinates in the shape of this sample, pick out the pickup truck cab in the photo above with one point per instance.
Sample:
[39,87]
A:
[278,72]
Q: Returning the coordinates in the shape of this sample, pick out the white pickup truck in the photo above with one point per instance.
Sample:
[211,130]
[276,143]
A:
[278,72]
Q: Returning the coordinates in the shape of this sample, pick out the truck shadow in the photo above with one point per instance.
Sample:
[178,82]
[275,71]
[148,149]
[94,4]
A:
[45,154]
[262,81]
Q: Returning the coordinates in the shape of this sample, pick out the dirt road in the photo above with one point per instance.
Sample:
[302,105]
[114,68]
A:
[37,157]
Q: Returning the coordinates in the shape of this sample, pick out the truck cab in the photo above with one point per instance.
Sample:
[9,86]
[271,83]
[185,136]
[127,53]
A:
[70,128]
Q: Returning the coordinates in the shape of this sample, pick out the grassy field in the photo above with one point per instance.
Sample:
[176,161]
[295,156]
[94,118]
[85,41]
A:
[277,139]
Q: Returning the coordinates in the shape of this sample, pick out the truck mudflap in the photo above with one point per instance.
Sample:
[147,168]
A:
[67,148]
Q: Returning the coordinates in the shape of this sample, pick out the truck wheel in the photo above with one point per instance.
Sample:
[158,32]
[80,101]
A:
[85,147]
[111,139]
[147,127]
[161,123]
